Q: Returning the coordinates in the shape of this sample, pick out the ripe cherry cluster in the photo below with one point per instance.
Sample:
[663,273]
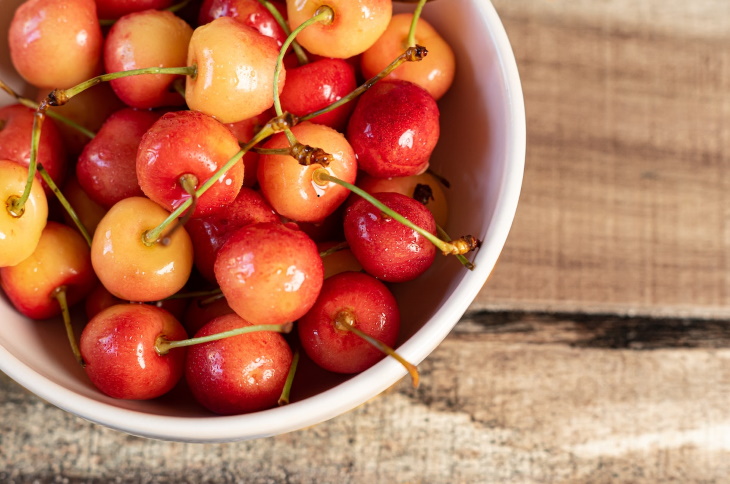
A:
[214,180]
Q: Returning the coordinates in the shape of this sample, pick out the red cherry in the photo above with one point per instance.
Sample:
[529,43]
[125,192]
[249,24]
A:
[249,12]
[113,9]
[240,374]
[200,312]
[269,273]
[368,306]
[118,347]
[386,248]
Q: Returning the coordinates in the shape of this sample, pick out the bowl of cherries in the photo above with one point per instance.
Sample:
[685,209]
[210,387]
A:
[230,219]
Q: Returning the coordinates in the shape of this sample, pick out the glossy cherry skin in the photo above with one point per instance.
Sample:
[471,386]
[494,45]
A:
[132,270]
[386,248]
[240,374]
[55,44]
[188,142]
[16,128]
[394,129]
[118,347]
[315,86]
[235,74]
[107,168]
[151,38]
[375,312]
[269,273]
[356,26]
[60,259]
[288,186]
[435,73]
[113,9]
[248,12]
[210,233]
[19,236]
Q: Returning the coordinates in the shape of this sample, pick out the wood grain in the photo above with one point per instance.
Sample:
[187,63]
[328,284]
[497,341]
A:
[625,201]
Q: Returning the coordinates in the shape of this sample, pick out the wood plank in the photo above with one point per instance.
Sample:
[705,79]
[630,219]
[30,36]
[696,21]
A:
[625,201]
[506,398]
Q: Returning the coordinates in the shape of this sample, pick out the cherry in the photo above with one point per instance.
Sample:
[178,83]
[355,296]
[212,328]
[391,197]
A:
[150,38]
[98,300]
[55,44]
[89,212]
[394,129]
[269,273]
[356,25]
[386,248]
[201,310]
[240,374]
[113,9]
[235,71]
[364,303]
[132,269]
[20,231]
[337,257]
[194,145]
[249,12]
[288,186]
[435,73]
[118,347]
[107,168]
[61,259]
[244,131]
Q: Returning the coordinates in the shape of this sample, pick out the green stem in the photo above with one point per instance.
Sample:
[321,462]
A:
[193,294]
[163,346]
[414,21]
[298,51]
[412,54]
[59,97]
[17,207]
[284,398]
[334,248]
[65,203]
[59,294]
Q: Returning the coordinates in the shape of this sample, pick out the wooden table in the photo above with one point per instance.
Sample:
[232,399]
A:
[597,351]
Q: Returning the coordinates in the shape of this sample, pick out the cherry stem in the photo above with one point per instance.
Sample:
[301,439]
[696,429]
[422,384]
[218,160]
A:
[272,126]
[59,97]
[284,398]
[298,51]
[304,154]
[59,294]
[464,261]
[17,206]
[411,54]
[414,21]
[51,114]
[190,295]
[334,248]
[65,203]
[321,177]
[324,15]
[163,346]
[189,182]
[210,300]
[345,321]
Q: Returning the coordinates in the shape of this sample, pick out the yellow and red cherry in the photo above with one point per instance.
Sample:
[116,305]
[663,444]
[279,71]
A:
[113,9]
[61,260]
[16,128]
[356,25]
[88,211]
[107,168]
[150,38]
[394,129]
[270,273]
[208,234]
[55,44]
[235,71]
[240,374]
[21,231]
[185,143]
[287,184]
[249,12]
[98,300]
[425,188]
[386,248]
[132,269]
[435,73]
[118,347]
[337,258]
[361,301]
[316,85]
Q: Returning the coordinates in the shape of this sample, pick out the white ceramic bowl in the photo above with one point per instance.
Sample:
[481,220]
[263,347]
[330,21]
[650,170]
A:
[482,153]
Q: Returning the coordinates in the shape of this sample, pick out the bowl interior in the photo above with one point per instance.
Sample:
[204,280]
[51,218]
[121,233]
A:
[481,152]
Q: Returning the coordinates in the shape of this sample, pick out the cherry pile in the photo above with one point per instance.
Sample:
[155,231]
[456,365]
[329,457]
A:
[265,171]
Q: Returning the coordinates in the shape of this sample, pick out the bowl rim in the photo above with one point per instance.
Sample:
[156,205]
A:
[359,388]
